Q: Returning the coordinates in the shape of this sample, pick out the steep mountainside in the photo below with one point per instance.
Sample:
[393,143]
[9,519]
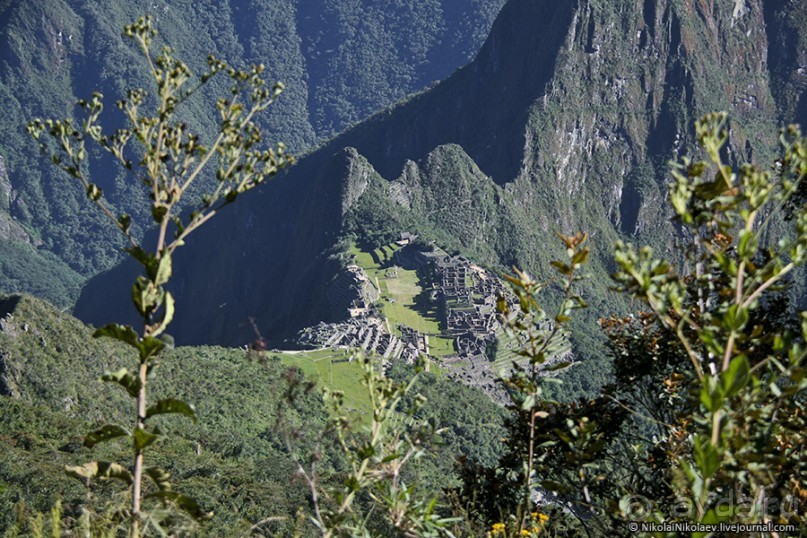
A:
[563,129]
[341,60]
[51,396]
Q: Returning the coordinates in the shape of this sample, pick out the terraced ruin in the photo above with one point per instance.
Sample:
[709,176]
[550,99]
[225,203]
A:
[413,301]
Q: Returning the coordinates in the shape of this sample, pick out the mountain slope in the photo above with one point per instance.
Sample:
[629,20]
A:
[56,51]
[234,460]
[553,131]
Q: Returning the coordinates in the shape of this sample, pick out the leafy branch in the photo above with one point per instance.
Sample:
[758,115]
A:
[170,159]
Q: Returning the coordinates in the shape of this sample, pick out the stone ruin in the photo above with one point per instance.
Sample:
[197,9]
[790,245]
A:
[467,296]
[367,333]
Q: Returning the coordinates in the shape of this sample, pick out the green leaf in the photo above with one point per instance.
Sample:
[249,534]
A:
[114,470]
[184,502]
[736,377]
[528,403]
[711,396]
[735,318]
[352,483]
[146,296]
[558,366]
[148,347]
[122,377]
[391,457]
[171,405]
[706,456]
[561,267]
[93,192]
[163,269]
[105,433]
[82,472]
[146,259]
[580,257]
[125,222]
[160,477]
[168,315]
[142,438]
[709,518]
[100,469]
[365,451]
[556,487]
[748,244]
[158,212]
[123,333]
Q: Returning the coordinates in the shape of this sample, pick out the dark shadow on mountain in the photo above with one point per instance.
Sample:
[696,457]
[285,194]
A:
[483,107]
[8,305]
[274,273]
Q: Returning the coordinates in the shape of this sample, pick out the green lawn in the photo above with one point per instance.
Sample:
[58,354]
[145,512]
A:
[398,296]
[343,376]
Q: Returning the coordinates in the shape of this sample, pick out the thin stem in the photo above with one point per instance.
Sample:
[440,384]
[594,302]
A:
[211,151]
[147,54]
[530,464]
[717,417]
[729,351]
[106,211]
[262,522]
[767,284]
[138,463]
[311,482]
[65,143]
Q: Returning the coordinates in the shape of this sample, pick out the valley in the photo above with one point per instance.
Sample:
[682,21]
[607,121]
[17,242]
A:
[619,177]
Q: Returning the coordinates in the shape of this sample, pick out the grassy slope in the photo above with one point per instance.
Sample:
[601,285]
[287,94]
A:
[344,376]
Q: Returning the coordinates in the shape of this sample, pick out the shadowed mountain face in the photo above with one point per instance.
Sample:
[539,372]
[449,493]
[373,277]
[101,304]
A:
[341,60]
[564,121]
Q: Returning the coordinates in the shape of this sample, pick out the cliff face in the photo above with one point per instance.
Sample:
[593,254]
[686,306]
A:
[10,229]
[638,75]
[564,121]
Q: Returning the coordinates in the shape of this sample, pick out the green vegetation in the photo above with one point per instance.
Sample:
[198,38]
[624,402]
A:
[345,377]
[705,399]
[233,460]
[41,273]
[396,436]
[171,160]
[704,421]
[229,460]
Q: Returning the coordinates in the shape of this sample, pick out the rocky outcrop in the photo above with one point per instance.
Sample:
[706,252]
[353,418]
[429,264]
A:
[10,229]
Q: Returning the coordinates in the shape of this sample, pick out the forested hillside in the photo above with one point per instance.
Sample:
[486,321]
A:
[234,460]
[340,61]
